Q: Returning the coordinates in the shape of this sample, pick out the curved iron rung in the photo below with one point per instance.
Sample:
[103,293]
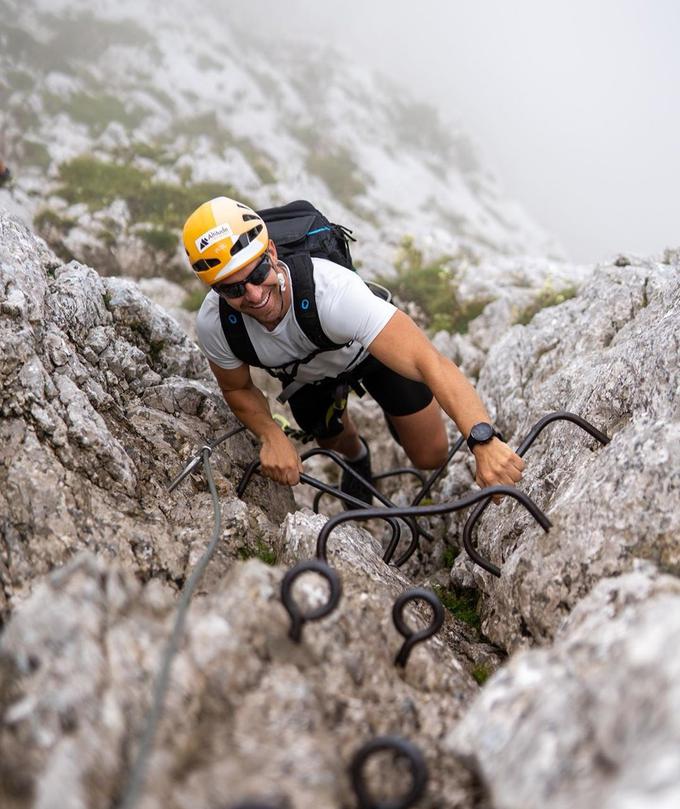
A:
[415,528]
[413,637]
[532,435]
[324,488]
[429,483]
[389,551]
[426,511]
[401,470]
[299,619]
[255,805]
[403,749]
[343,464]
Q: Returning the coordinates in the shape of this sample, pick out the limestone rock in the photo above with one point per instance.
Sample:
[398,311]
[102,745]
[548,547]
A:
[609,355]
[593,721]
[103,398]
[248,714]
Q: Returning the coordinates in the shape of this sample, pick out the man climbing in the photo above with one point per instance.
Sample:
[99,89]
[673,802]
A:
[258,313]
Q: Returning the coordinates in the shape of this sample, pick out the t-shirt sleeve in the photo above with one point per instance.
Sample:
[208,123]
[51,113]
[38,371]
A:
[348,310]
[211,338]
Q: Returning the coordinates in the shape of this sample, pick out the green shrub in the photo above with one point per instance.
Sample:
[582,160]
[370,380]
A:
[98,183]
[36,154]
[547,296]
[164,241]
[48,218]
[433,287]
[194,298]
[449,556]
[96,110]
[20,80]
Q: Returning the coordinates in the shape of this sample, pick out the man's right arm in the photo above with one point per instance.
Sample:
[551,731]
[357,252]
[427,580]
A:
[278,456]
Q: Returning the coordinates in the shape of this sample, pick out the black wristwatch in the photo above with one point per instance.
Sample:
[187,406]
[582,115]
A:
[482,433]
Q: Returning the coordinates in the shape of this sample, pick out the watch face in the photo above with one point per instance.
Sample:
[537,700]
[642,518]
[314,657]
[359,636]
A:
[482,432]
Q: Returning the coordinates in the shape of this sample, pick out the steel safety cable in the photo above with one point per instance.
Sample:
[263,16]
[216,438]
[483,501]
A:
[135,784]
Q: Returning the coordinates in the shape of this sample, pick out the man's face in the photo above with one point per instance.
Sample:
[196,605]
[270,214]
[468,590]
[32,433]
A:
[265,302]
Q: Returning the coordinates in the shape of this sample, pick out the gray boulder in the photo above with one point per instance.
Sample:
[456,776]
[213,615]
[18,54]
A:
[593,721]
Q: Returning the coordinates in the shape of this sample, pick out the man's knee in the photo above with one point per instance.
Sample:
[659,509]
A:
[429,454]
[423,436]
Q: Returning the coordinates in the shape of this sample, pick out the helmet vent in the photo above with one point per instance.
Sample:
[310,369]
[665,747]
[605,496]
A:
[205,264]
[245,239]
[240,205]
[247,217]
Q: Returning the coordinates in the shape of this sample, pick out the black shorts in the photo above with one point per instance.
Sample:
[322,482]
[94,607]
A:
[314,407]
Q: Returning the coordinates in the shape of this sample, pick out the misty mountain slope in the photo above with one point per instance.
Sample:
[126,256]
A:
[117,122]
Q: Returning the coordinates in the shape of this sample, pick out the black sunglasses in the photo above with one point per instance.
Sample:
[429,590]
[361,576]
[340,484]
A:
[256,276]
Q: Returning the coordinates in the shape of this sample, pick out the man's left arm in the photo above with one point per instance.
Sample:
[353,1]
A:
[404,348]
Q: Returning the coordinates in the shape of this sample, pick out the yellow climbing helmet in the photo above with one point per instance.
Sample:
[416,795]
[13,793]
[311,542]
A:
[222,236]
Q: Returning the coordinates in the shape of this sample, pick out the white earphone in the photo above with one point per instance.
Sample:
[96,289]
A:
[282,281]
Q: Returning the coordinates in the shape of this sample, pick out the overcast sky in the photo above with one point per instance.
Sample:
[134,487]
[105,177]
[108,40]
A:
[573,104]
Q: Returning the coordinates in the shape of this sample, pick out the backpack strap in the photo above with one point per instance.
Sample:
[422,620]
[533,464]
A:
[306,315]
[237,336]
[304,302]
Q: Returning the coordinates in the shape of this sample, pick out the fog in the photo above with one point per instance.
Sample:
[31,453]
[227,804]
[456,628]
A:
[574,105]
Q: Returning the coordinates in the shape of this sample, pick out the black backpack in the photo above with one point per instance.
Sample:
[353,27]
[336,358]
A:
[299,231]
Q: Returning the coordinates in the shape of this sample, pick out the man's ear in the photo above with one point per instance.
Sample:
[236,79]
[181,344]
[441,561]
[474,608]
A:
[272,251]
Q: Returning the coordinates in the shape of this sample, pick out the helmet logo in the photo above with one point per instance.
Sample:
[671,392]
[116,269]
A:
[213,235]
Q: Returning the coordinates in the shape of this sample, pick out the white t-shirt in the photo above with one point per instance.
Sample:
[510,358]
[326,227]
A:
[348,312]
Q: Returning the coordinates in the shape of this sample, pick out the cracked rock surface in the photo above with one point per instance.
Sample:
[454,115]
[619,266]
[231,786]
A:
[104,398]
[609,355]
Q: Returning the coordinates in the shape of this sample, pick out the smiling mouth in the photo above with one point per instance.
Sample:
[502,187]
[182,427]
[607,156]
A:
[261,305]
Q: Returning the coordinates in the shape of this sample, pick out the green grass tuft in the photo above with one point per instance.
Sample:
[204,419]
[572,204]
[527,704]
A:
[194,298]
[546,297]
[461,603]
[339,171]
[48,218]
[160,240]
[261,551]
[449,556]
[36,154]
[481,673]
